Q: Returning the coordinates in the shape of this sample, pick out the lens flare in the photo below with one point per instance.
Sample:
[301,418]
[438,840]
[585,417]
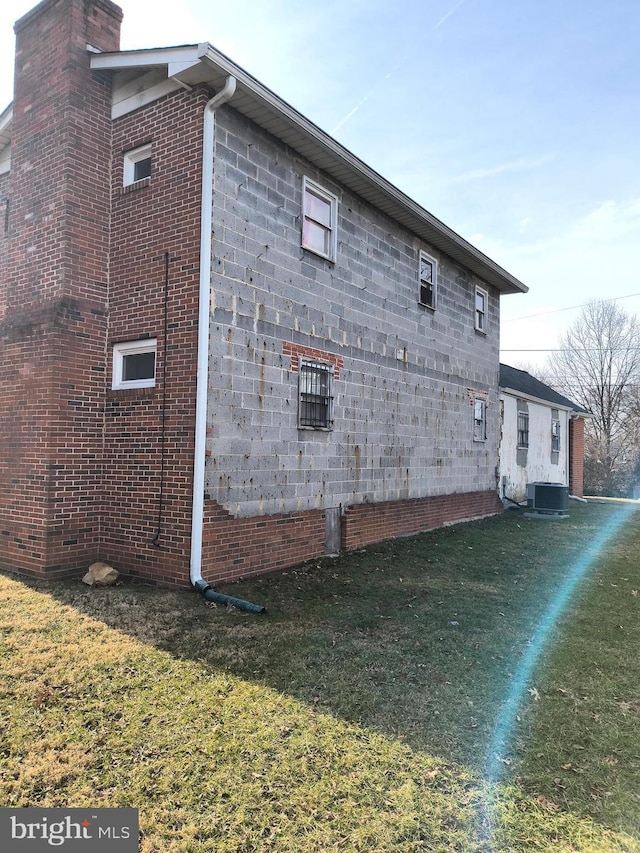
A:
[496,758]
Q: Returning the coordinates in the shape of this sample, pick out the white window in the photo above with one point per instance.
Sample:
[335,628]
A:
[479,420]
[315,391]
[555,431]
[482,302]
[428,280]
[319,220]
[137,165]
[134,364]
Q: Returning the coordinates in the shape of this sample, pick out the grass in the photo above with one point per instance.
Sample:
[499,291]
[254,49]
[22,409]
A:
[356,716]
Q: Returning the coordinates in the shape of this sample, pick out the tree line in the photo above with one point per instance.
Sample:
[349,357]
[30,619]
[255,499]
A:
[597,366]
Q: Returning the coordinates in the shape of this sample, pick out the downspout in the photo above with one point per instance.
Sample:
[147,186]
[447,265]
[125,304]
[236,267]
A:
[202,378]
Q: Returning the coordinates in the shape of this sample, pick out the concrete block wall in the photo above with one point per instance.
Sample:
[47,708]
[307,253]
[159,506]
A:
[403,426]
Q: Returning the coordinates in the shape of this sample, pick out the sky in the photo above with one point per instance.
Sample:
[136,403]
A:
[515,122]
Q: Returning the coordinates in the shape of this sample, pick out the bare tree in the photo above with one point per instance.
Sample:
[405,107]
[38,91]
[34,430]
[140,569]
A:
[598,366]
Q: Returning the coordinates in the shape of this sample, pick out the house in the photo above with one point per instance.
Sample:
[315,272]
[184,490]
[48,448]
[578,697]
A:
[226,344]
[542,436]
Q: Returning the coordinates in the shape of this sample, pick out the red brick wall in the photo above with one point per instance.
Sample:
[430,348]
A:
[576,457]
[147,508]
[235,548]
[239,548]
[54,290]
[367,523]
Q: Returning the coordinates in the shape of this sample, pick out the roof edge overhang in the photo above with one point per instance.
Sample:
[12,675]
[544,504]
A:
[202,63]
[552,404]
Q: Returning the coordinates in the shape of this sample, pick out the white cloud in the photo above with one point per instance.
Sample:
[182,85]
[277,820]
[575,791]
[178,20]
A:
[521,165]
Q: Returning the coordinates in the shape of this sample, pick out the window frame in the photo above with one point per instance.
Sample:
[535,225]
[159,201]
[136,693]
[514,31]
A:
[310,187]
[304,367]
[522,428]
[480,316]
[127,348]
[555,431]
[424,283]
[479,423]
[131,160]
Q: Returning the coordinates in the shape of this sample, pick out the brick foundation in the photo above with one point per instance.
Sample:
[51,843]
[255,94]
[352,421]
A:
[235,548]
[240,548]
[367,523]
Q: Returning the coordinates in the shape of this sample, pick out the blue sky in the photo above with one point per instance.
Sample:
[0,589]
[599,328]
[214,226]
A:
[516,122]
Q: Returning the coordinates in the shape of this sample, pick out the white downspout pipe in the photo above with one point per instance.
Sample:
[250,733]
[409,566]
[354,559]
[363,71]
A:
[202,380]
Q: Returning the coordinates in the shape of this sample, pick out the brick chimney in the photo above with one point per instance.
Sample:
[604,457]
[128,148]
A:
[54,290]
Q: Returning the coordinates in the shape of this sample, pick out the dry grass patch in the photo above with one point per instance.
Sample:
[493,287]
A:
[355,717]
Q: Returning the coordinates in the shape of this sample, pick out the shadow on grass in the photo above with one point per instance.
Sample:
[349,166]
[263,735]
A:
[415,638]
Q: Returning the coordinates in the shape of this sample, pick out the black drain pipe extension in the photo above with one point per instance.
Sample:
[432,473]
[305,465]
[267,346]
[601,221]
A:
[219,598]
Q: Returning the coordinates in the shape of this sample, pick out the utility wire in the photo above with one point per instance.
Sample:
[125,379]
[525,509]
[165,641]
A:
[559,310]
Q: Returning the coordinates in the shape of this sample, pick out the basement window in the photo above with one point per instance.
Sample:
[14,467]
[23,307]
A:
[428,276]
[479,420]
[134,364]
[319,220]
[315,395]
[137,165]
[482,302]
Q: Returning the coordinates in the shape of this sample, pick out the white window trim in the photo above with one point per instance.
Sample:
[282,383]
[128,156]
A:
[480,319]
[321,192]
[480,406]
[130,160]
[308,362]
[120,351]
[421,281]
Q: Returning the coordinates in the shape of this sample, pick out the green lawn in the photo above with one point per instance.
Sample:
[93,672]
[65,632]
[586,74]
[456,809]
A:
[365,712]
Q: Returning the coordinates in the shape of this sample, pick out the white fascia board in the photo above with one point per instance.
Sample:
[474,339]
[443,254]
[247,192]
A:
[511,392]
[178,58]
[146,88]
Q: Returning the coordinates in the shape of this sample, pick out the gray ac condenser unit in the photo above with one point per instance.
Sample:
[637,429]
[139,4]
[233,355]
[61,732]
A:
[548,497]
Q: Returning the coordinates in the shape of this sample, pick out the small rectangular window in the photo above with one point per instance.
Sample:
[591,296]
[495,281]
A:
[479,420]
[428,280]
[137,165]
[523,429]
[482,300]
[315,395]
[555,431]
[134,364]
[319,220]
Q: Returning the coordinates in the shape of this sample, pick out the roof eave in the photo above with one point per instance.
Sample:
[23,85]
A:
[185,65]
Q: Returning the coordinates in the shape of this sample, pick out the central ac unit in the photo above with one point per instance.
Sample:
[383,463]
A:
[548,497]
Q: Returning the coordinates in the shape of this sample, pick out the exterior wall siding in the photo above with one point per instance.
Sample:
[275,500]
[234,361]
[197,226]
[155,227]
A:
[536,464]
[403,413]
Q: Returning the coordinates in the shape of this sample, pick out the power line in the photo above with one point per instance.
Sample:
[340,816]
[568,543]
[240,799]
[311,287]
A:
[567,349]
[559,310]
